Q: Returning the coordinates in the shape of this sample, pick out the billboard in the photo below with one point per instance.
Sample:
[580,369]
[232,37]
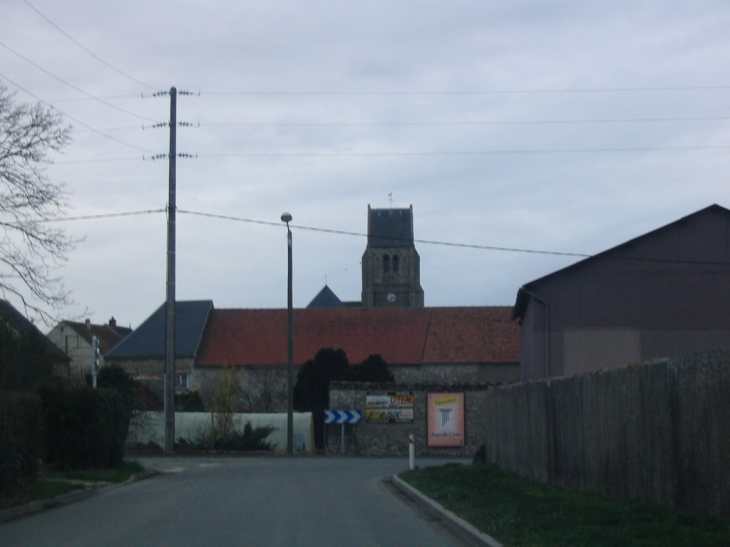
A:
[446,419]
[395,407]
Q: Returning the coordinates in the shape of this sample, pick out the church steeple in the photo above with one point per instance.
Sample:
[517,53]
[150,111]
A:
[391,267]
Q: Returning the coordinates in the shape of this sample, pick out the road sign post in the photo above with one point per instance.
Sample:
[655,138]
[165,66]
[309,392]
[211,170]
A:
[342,417]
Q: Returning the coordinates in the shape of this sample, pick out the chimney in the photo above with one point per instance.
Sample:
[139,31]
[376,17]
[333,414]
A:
[88,324]
[113,322]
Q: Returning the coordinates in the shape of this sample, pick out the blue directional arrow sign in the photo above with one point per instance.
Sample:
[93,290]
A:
[342,416]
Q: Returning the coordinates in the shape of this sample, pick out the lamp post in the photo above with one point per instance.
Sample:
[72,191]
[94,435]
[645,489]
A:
[286,217]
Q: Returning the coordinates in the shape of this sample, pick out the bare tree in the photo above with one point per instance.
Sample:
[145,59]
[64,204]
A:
[226,402]
[30,247]
[266,389]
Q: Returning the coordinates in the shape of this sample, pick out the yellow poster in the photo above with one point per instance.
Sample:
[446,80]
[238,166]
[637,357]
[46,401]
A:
[446,419]
[389,407]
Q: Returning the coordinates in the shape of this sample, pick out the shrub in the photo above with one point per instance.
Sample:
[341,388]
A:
[250,439]
[84,428]
[193,403]
[21,435]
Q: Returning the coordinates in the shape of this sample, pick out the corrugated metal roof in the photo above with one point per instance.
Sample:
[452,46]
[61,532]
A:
[524,294]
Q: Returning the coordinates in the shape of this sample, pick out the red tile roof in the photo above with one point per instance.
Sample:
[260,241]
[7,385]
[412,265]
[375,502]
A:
[472,335]
[108,337]
[400,336]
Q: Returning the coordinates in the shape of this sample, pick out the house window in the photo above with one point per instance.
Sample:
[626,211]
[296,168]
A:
[395,263]
[386,264]
[184,381]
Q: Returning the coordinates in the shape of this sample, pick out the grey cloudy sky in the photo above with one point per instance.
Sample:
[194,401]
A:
[555,126]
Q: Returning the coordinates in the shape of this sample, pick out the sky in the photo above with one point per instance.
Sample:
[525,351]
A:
[558,127]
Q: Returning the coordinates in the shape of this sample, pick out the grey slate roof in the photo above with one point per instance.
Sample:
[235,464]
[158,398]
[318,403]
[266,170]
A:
[19,323]
[148,340]
[390,228]
[326,298]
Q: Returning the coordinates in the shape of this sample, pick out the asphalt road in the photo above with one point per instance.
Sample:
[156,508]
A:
[241,502]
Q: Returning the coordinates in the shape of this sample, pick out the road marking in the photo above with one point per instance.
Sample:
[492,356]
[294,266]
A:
[173,470]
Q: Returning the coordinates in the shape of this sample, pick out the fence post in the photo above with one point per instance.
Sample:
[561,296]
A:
[411,452]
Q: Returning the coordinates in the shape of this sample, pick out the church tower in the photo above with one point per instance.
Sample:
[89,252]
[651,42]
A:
[391,267]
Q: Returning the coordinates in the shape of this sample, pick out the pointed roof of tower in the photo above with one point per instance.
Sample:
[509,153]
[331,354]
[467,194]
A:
[326,298]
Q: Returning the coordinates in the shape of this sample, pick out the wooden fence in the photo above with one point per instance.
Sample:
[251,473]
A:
[659,431]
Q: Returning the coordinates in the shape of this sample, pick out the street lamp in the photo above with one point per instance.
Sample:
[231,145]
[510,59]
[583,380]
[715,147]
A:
[286,217]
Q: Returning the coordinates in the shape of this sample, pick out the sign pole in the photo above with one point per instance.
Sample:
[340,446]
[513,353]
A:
[411,452]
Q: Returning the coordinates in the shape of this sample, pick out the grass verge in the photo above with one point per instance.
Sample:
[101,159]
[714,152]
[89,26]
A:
[56,483]
[42,489]
[521,512]
[115,474]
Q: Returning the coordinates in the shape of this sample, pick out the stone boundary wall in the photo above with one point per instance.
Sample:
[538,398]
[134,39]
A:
[658,430]
[391,439]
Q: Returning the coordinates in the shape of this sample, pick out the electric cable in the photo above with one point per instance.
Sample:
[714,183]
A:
[87,50]
[64,82]
[75,119]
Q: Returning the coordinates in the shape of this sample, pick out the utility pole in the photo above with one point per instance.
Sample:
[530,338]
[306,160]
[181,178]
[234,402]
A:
[169,389]
[94,360]
[170,303]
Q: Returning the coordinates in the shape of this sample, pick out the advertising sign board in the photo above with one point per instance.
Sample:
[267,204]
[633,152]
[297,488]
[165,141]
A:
[445,419]
[389,407]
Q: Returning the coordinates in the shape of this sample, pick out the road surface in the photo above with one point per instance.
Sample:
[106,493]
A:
[241,502]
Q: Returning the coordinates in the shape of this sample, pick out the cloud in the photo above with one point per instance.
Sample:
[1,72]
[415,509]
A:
[541,125]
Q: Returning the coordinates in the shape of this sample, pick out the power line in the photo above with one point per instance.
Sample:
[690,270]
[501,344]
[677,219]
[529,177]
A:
[73,86]
[87,50]
[463,245]
[463,153]
[103,160]
[75,120]
[467,123]
[82,99]
[264,155]
[476,92]
[439,124]
[123,128]
[360,234]
[96,217]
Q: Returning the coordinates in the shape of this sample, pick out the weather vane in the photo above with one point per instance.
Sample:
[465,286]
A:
[390,199]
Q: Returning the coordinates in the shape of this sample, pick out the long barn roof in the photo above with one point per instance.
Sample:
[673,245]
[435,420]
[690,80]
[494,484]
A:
[401,336]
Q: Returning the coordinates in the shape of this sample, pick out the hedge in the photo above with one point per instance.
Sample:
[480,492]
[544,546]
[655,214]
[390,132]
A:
[85,428]
[21,439]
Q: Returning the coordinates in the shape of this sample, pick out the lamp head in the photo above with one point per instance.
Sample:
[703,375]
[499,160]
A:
[286,217]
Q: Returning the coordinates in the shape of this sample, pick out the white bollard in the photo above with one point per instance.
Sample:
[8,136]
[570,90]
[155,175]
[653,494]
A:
[411,452]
